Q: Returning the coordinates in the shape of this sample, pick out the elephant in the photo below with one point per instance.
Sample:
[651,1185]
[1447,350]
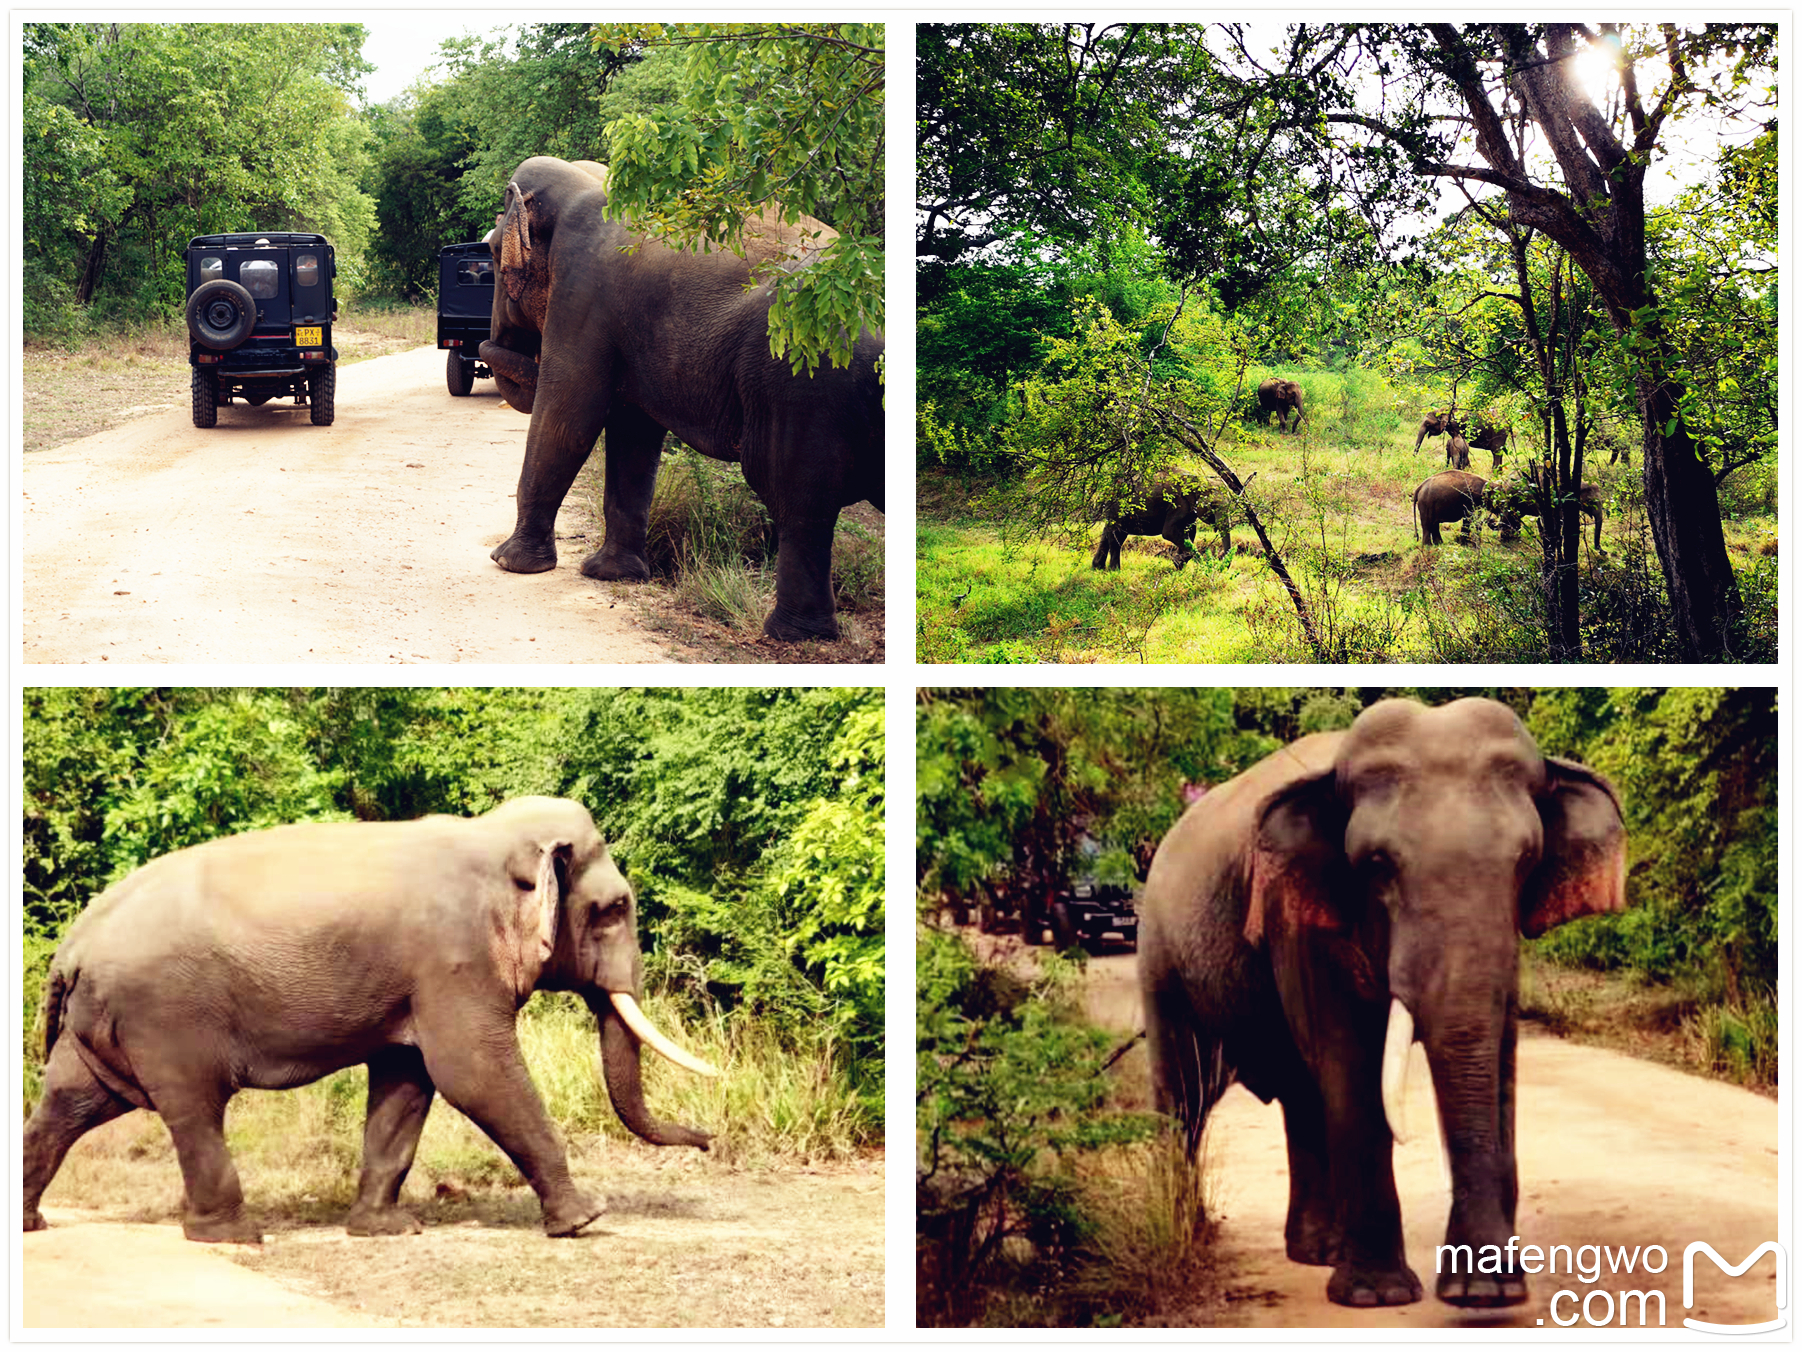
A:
[1306,922]
[1171,510]
[1518,496]
[1450,495]
[1493,440]
[1436,424]
[271,959]
[598,328]
[1457,451]
[1280,396]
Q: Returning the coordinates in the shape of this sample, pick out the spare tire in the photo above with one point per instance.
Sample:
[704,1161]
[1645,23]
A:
[221,314]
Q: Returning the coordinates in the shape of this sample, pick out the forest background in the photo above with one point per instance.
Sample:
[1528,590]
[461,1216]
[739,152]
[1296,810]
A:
[1567,231]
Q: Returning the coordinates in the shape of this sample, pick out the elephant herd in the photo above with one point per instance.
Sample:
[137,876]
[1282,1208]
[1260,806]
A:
[597,329]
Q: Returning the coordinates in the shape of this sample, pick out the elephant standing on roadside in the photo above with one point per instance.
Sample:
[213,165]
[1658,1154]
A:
[1171,510]
[1450,495]
[1457,451]
[1436,425]
[1307,921]
[1518,496]
[271,959]
[1280,397]
[596,328]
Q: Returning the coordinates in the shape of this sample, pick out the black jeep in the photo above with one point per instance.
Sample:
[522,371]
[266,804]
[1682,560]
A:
[260,314]
[465,310]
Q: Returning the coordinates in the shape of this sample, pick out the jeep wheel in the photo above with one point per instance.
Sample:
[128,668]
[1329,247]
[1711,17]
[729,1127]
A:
[322,385]
[460,375]
[206,396]
[220,314]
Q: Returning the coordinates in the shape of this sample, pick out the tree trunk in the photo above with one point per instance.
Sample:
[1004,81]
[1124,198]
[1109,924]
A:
[90,274]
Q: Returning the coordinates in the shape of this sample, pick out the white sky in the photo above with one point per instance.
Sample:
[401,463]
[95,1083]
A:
[402,43]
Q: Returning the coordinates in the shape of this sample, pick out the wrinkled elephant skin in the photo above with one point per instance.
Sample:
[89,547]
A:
[272,959]
[1305,922]
[597,329]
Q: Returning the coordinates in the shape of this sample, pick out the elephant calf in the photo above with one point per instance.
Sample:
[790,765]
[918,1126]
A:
[1457,451]
[1306,922]
[1171,510]
[272,959]
[1450,495]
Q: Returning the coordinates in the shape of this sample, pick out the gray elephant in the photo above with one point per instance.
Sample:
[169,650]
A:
[1171,510]
[269,960]
[1306,922]
[1450,495]
[1280,397]
[1436,424]
[1457,451]
[596,328]
[1518,496]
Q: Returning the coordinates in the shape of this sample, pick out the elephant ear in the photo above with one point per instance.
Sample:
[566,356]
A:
[528,915]
[516,242]
[1583,870]
[1297,863]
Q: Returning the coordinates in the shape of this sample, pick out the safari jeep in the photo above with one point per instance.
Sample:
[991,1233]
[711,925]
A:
[260,314]
[465,310]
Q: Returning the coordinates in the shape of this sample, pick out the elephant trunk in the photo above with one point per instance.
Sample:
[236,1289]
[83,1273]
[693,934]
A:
[625,1086]
[515,373]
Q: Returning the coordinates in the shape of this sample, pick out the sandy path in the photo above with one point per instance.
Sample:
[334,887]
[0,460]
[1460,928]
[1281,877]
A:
[266,539]
[1612,1151]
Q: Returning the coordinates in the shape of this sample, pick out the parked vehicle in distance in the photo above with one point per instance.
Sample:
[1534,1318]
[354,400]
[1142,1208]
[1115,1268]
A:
[260,311]
[465,310]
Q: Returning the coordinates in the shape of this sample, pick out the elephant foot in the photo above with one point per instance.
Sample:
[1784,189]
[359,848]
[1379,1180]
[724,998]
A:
[1311,1240]
[222,1230]
[1481,1290]
[517,555]
[1369,1287]
[387,1220]
[569,1218]
[797,628]
[34,1220]
[616,567]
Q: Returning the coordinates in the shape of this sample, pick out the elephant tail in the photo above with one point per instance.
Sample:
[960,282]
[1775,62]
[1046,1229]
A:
[50,1012]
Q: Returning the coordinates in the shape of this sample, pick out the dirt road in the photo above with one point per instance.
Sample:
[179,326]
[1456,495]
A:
[266,539]
[1612,1151]
[683,1244]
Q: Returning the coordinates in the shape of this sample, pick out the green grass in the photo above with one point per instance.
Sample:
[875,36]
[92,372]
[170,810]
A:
[1336,500]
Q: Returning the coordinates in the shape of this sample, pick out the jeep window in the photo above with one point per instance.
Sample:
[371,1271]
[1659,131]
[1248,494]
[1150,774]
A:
[211,269]
[475,272]
[306,270]
[259,277]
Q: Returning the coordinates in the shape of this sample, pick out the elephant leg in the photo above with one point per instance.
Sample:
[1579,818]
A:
[400,1095]
[213,1210]
[1179,535]
[568,413]
[73,1104]
[478,1067]
[1311,1233]
[804,600]
[1101,550]
[634,452]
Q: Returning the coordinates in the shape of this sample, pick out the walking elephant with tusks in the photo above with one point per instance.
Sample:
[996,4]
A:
[597,328]
[271,959]
[1304,923]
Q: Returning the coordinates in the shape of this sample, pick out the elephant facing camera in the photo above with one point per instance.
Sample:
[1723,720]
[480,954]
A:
[271,959]
[1304,924]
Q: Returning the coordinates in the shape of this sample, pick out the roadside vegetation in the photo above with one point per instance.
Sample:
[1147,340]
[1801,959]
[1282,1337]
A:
[1048,1194]
[1098,309]
[748,821]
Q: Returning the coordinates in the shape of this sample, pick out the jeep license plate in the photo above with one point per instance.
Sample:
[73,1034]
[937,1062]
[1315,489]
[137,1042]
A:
[311,337]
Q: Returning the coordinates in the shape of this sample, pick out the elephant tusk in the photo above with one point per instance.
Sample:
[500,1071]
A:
[1396,1043]
[646,1032]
